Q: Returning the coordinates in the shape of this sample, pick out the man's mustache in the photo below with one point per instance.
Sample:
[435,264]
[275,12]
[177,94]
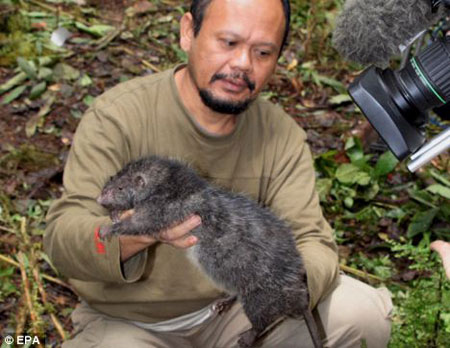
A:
[243,76]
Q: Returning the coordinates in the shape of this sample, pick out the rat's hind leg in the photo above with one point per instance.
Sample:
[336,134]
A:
[303,312]
[260,314]
[224,304]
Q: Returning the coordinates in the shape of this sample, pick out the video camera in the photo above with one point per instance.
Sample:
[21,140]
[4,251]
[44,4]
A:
[397,103]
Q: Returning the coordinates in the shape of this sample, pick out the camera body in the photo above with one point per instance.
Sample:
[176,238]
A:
[396,103]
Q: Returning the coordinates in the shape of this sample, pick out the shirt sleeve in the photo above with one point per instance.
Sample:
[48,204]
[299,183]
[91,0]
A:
[100,148]
[292,195]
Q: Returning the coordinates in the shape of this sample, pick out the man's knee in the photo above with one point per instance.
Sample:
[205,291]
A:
[356,312]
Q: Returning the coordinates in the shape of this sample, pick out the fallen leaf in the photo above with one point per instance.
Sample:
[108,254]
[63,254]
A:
[143,6]
[39,25]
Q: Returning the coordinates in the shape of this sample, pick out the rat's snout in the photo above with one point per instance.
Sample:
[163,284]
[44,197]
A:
[100,199]
[104,198]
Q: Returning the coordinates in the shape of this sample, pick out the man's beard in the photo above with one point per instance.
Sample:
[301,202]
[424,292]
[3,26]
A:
[223,106]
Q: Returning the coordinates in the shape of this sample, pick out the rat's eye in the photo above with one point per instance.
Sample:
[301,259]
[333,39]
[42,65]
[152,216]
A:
[120,188]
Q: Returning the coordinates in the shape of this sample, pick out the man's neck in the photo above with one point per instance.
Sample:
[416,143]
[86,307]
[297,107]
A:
[213,122]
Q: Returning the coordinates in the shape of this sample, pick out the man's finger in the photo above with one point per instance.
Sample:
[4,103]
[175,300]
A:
[185,242]
[443,249]
[180,230]
[126,214]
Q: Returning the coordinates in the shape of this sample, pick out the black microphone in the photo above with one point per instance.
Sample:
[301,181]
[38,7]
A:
[371,31]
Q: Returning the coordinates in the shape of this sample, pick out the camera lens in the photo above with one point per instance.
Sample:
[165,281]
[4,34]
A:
[397,102]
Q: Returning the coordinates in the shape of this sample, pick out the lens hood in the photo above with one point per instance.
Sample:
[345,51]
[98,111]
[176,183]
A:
[378,100]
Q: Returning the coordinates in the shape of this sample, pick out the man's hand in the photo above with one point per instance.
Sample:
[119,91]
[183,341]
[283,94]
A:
[177,236]
[443,249]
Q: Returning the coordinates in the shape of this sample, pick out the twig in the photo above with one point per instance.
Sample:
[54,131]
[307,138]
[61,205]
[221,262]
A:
[143,61]
[57,281]
[8,260]
[359,273]
[23,231]
[105,40]
[6,229]
[21,316]
[365,275]
[55,10]
[45,276]
[150,65]
[26,289]
[41,289]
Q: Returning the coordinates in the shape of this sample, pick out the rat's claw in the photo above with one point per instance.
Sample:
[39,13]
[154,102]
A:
[105,232]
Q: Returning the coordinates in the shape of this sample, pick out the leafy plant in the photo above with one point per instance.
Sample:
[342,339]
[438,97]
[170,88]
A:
[422,310]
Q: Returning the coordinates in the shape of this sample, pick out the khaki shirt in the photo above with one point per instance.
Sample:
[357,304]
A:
[265,157]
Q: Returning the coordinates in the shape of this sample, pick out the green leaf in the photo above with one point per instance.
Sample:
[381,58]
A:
[7,272]
[38,89]
[14,94]
[37,120]
[339,99]
[423,197]
[85,80]
[45,257]
[421,222]
[396,213]
[348,173]
[88,100]
[323,187]
[385,164]
[337,85]
[27,68]
[45,74]
[354,149]
[348,202]
[372,191]
[37,14]
[12,82]
[64,71]
[440,178]
[97,30]
[440,190]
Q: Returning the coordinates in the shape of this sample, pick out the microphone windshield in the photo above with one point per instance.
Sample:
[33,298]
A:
[370,32]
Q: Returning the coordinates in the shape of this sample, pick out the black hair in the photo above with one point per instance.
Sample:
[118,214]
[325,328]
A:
[198,8]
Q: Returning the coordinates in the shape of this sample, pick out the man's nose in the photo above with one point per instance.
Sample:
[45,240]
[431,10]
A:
[242,60]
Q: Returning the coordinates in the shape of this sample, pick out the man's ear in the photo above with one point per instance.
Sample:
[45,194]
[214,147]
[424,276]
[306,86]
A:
[186,31]
[140,181]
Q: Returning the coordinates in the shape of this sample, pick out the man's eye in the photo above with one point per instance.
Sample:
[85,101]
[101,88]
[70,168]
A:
[263,54]
[228,43]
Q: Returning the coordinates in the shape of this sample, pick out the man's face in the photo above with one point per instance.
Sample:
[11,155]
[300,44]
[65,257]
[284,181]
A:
[235,52]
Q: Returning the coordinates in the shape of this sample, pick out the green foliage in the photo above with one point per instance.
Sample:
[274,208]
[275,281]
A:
[421,311]
[353,182]
[14,38]
[380,266]
[357,195]
[350,191]
[7,286]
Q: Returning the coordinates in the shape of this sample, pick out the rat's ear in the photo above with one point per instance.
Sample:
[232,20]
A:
[139,181]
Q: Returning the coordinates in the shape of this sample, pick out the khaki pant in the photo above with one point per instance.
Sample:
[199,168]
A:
[352,314]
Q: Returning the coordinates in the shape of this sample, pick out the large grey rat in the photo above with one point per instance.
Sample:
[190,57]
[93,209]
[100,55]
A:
[242,247]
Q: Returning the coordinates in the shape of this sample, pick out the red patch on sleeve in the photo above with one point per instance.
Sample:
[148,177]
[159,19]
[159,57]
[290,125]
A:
[98,243]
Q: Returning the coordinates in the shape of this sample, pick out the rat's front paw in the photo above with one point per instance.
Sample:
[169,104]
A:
[105,232]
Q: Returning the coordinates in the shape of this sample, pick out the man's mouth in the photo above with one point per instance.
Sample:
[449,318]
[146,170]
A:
[234,85]
[234,82]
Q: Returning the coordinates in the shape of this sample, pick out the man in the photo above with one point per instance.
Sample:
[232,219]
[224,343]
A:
[142,291]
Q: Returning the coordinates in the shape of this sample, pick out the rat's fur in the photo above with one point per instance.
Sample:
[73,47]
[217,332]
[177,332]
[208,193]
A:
[241,246]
